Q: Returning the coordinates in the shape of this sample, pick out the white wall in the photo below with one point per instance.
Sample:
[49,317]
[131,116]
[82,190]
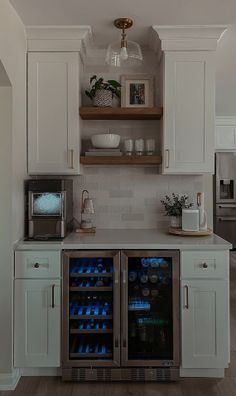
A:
[5,216]
[12,164]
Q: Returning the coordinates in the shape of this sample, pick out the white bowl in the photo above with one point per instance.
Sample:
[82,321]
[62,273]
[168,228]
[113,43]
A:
[105,140]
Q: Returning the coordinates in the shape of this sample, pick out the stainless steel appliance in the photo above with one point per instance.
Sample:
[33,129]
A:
[225,197]
[48,208]
[120,316]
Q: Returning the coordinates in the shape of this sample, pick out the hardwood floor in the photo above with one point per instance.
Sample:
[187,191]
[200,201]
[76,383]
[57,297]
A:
[53,386]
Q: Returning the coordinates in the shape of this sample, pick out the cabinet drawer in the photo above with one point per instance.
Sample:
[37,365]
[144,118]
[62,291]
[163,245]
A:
[37,264]
[210,264]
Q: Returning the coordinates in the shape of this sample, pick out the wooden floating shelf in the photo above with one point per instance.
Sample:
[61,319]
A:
[124,160]
[121,113]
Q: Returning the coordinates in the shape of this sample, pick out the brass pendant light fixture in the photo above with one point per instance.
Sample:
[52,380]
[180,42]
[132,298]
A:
[124,52]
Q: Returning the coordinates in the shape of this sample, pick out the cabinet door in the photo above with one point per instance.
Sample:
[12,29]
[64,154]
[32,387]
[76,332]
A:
[205,324]
[37,323]
[225,137]
[189,112]
[53,134]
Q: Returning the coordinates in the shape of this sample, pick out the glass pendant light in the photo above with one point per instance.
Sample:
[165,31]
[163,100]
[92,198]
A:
[123,52]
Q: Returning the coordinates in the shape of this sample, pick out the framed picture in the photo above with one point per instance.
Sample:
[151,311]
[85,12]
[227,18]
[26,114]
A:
[137,90]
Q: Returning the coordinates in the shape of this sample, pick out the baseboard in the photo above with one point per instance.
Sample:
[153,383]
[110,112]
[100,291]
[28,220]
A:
[203,373]
[9,381]
[40,372]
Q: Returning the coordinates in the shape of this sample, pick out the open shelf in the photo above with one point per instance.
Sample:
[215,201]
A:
[121,113]
[124,160]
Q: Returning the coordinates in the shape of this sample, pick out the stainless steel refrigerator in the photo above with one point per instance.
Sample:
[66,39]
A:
[225,196]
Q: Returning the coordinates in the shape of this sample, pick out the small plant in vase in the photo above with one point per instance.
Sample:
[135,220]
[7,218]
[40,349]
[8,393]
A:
[102,92]
[173,206]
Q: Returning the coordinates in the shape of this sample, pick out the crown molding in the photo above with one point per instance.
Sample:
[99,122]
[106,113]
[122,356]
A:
[58,38]
[187,37]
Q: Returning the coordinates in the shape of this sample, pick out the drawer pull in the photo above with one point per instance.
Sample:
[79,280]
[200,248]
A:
[36,265]
[204,265]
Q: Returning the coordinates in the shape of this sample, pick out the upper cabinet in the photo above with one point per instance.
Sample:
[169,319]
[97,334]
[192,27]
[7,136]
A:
[188,98]
[53,121]
[225,133]
[53,98]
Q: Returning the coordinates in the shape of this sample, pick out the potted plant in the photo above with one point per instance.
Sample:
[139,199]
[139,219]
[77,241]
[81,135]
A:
[173,206]
[102,92]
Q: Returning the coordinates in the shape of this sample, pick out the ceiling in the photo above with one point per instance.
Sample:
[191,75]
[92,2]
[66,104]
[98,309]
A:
[145,13]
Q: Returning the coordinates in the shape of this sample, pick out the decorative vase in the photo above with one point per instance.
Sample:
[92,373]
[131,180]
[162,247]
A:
[103,98]
[175,221]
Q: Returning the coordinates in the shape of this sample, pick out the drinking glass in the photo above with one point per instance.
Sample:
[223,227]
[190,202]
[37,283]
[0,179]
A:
[139,146]
[150,146]
[128,146]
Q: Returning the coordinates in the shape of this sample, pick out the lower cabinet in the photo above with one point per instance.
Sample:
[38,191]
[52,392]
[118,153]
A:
[205,323]
[37,323]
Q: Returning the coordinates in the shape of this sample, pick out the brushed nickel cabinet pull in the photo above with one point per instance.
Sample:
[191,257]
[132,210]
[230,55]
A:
[167,158]
[71,158]
[186,301]
[53,296]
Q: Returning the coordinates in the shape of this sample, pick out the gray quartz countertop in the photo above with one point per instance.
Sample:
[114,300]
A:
[129,239]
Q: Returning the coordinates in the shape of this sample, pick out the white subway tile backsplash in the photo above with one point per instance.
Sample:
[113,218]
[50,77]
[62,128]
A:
[127,197]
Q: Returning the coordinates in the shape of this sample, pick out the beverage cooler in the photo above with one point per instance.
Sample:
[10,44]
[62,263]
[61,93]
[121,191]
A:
[120,315]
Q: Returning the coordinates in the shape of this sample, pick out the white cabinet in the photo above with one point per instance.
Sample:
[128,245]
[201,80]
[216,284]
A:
[37,309]
[204,309]
[53,120]
[188,97]
[189,109]
[37,323]
[204,324]
[225,133]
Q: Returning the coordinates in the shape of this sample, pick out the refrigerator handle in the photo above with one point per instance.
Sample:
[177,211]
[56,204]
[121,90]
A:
[227,218]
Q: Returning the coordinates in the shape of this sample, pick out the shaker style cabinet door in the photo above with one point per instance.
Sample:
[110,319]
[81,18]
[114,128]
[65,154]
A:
[205,324]
[189,112]
[53,121]
[37,332]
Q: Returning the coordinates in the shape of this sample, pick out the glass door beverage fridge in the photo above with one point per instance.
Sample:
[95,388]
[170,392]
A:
[120,315]
[91,318]
[150,308]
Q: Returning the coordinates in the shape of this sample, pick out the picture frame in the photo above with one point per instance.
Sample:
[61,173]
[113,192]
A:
[137,90]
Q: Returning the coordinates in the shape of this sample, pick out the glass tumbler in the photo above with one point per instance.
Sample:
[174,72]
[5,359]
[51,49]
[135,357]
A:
[128,146]
[139,146]
[150,146]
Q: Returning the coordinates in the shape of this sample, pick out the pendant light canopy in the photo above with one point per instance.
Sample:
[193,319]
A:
[123,52]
